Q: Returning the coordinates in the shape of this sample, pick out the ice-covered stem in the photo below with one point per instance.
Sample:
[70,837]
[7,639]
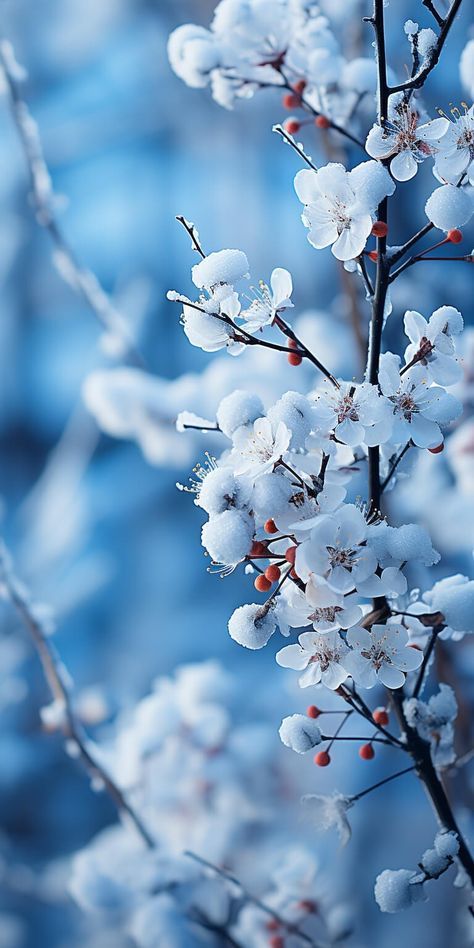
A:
[79,278]
[417,81]
[254,900]
[420,753]
[431,7]
[58,681]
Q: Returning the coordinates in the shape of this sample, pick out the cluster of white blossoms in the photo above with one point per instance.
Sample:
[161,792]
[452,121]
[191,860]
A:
[187,757]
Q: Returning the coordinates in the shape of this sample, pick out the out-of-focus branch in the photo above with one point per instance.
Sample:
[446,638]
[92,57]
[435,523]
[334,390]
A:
[82,280]
[58,681]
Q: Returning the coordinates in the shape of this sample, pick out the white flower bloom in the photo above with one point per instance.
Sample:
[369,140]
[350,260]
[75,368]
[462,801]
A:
[323,657]
[381,655]
[222,266]
[227,537]
[257,450]
[340,205]
[327,610]
[449,207]
[337,550]
[207,330]
[326,812]
[432,345]
[418,408]
[355,413]
[456,150]
[405,141]
[269,301]
[300,733]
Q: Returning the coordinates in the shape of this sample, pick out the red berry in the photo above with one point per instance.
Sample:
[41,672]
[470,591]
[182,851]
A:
[322,122]
[292,343]
[300,86]
[307,905]
[258,548]
[291,101]
[379,229]
[262,583]
[272,573]
[437,449]
[373,255]
[454,236]
[417,647]
[313,712]
[292,126]
[272,925]
[294,358]
[276,941]
[380,716]
[290,555]
[322,759]
[366,752]
[270,526]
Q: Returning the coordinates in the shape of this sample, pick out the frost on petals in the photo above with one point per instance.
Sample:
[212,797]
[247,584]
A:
[223,266]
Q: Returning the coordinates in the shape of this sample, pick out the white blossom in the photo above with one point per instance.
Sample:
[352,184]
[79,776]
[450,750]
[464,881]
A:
[418,408]
[432,343]
[381,655]
[252,625]
[238,410]
[258,449]
[322,657]
[337,550]
[456,150]
[227,536]
[340,205]
[404,140]
[269,301]
[355,413]
[221,267]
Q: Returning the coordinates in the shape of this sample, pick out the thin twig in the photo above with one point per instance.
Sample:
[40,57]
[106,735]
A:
[426,658]
[58,680]
[416,82]
[394,466]
[431,7]
[381,783]
[82,280]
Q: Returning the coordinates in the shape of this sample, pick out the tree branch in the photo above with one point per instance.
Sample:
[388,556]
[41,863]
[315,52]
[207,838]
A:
[416,82]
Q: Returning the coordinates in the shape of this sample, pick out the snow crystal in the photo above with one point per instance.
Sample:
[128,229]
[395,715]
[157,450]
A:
[237,410]
[223,266]
[252,625]
[300,733]
[227,537]
[449,207]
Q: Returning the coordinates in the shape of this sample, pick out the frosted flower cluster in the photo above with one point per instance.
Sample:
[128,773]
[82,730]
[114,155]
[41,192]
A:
[398,889]
[187,757]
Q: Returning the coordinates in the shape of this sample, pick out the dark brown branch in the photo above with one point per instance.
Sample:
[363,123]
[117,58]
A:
[416,82]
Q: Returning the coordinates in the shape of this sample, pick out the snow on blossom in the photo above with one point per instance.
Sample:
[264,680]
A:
[238,410]
[297,413]
[356,414]
[340,205]
[404,140]
[454,598]
[252,625]
[300,733]
[227,537]
[193,53]
[221,267]
[381,655]
[218,489]
[449,207]
[396,545]
[269,300]
[257,450]
[205,325]
[328,812]
[456,150]
[398,889]
[432,343]
[320,657]
[419,409]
